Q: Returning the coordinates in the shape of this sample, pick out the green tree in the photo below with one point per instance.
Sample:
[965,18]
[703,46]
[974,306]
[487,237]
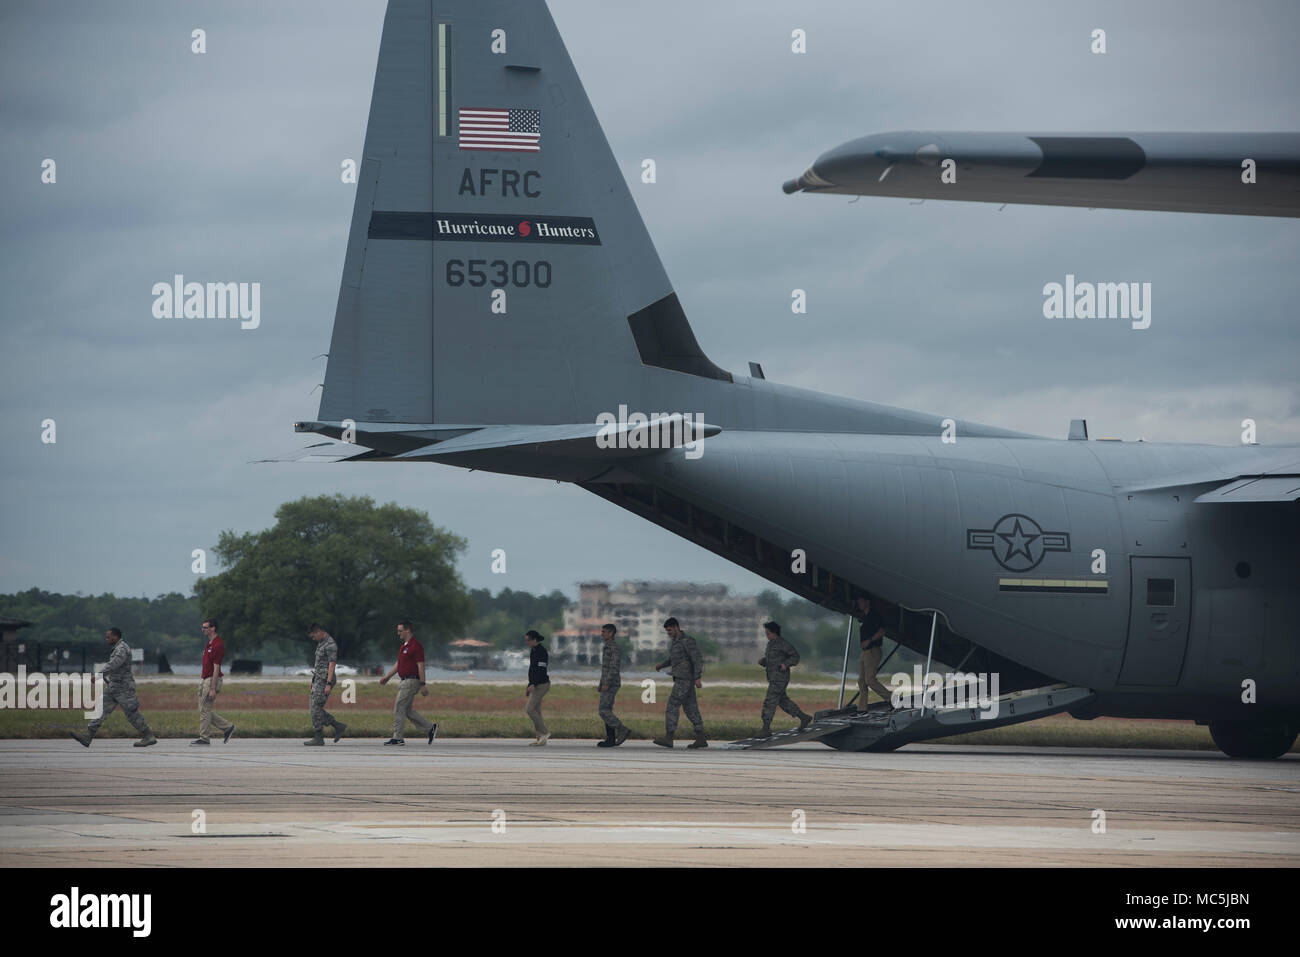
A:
[710,650]
[356,568]
[503,619]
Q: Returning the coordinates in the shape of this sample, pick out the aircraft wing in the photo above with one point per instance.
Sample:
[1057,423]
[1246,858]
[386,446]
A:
[1285,488]
[1250,174]
[1274,478]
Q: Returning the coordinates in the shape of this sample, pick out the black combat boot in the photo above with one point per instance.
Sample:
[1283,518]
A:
[700,741]
[83,737]
[339,728]
[316,742]
[609,738]
[663,742]
[805,719]
[621,736]
[764,732]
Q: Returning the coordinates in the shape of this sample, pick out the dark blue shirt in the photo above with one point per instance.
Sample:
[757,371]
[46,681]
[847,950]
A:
[537,659]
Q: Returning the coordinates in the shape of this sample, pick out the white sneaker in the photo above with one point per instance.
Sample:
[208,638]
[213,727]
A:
[534,743]
[544,738]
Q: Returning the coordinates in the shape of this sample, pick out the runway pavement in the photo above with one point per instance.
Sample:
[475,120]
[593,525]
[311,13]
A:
[463,802]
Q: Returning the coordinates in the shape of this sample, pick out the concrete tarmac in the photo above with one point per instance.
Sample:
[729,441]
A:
[462,802]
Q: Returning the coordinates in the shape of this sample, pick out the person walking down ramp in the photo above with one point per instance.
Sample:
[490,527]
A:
[779,659]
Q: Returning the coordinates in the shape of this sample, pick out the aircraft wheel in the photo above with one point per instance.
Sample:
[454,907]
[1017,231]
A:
[1253,740]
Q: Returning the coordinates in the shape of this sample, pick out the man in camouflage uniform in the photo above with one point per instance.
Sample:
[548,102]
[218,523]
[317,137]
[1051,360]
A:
[322,683]
[778,661]
[119,689]
[611,662]
[686,668]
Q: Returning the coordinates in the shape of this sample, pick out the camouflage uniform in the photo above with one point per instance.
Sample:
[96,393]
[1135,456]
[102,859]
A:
[687,667]
[119,689]
[611,663]
[779,652]
[327,650]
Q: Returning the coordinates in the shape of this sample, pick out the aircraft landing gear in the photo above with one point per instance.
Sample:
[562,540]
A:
[1256,740]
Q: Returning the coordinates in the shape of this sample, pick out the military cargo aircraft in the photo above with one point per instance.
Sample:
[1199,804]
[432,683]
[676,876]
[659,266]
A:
[502,308]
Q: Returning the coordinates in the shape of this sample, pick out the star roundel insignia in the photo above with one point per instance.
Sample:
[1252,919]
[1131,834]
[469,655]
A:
[1018,543]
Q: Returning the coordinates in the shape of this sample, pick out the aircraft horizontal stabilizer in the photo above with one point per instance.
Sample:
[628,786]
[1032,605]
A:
[410,442]
[576,441]
[321,452]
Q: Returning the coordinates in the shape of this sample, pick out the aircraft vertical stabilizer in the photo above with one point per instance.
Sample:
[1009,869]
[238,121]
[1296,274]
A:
[497,268]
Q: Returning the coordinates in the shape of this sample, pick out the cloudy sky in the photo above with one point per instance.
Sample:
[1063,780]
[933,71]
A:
[226,165]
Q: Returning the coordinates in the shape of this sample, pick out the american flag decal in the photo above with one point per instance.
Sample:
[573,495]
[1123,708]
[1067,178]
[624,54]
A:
[516,131]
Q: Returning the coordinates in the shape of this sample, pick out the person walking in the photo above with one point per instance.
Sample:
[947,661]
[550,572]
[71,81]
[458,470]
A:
[611,667]
[322,683]
[119,689]
[539,682]
[687,668]
[214,652]
[410,674]
[779,658]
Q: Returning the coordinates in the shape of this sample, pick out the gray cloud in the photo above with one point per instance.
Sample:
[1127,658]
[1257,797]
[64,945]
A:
[226,167]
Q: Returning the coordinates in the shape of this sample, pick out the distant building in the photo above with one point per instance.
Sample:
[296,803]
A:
[639,608]
[470,653]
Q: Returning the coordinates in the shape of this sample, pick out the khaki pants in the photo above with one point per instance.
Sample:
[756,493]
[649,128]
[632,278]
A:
[209,719]
[534,707]
[867,668]
[404,709]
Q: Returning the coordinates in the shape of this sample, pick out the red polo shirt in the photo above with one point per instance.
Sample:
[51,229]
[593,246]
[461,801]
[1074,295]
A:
[411,654]
[213,655]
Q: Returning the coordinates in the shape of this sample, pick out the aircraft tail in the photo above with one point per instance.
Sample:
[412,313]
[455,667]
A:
[497,268]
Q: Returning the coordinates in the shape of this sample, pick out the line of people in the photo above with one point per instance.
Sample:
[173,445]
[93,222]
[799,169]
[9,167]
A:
[684,663]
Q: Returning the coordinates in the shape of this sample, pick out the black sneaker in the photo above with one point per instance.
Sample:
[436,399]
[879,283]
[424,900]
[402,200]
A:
[200,741]
[433,733]
[229,731]
[397,741]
